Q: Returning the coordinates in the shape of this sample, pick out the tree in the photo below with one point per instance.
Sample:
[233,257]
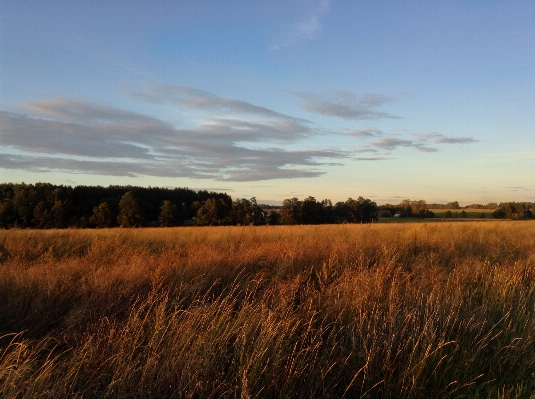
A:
[418,208]
[58,214]
[8,215]
[311,211]
[168,214]
[453,205]
[41,216]
[498,214]
[429,214]
[242,212]
[257,214]
[367,210]
[290,212]
[129,211]
[327,211]
[210,212]
[341,212]
[101,217]
[406,208]
[274,218]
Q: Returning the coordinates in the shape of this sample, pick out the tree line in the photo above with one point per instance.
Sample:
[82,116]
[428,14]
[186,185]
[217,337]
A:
[47,206]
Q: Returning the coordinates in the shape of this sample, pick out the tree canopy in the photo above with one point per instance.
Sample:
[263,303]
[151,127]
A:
[48,206]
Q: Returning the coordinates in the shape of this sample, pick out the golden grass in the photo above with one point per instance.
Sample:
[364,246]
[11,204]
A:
[395,310]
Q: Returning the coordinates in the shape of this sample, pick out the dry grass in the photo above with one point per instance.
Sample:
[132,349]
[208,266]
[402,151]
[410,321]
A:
[398,310]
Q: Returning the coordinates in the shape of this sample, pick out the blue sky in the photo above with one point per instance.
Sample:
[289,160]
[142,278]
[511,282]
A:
[333,99]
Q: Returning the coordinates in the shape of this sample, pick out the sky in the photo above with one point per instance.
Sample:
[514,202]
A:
[388,100]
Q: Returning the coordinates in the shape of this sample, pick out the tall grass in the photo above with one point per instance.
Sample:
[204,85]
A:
[391,311]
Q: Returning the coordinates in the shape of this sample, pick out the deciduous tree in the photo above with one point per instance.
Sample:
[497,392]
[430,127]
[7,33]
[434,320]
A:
[129,211]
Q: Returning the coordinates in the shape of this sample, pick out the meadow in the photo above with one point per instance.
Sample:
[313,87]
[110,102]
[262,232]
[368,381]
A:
[471,213]
[441,310]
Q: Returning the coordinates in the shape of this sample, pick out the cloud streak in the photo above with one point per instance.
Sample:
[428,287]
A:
[344,104]
[419,142]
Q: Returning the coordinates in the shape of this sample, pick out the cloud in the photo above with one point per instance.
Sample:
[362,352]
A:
[80,137]
[442,139]
[240,119]
[371,158]
[94,139]
[456,140]
[419,142]
[389,143]
[366,132]
[305,29]
[344,104]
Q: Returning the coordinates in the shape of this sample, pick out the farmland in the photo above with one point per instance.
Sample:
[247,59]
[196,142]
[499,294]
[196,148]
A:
[471,213]
[379,310]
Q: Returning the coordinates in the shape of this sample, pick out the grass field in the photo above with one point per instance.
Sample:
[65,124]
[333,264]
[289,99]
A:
[383,310]
[472,213]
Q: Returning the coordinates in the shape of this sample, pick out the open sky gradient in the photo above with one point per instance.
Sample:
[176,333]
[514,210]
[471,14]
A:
[273,99]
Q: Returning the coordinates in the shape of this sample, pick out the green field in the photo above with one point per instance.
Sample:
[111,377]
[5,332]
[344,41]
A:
[471,213]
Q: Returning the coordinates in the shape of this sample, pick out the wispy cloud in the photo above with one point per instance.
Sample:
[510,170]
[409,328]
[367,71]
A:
[303,30]
[442,139]
[81,137]
[238,120]
[370,158]
[366,132]
[344,104]
[419,142]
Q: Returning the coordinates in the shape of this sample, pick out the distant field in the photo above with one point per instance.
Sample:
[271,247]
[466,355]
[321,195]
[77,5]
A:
[470,212]
[412,310]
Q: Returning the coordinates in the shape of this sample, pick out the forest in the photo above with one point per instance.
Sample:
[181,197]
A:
[48,206]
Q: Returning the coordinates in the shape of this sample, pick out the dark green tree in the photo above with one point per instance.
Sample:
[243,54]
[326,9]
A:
[242,212]
[428,214]
[8,216]
[290,212]
[211,213]
[168,214]
[129,211]
[58,214]
[42,218]
[327,211]
[311,211]
[274,218]
[102,216]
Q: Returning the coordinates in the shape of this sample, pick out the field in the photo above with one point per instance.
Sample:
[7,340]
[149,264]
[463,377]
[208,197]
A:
[472,213]
[382,310]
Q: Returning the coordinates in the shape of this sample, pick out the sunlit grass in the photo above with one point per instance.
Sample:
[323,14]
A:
[398,310]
